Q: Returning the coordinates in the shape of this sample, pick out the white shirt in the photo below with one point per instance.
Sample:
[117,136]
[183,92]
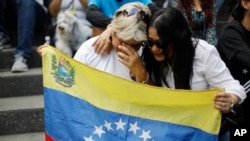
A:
[210,71]
[108,63]
[80,11]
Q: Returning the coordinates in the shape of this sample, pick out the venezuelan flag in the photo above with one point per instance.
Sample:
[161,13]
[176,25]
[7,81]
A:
[85,104]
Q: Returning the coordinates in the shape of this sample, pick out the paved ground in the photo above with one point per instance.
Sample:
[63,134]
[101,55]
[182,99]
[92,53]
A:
[24,137]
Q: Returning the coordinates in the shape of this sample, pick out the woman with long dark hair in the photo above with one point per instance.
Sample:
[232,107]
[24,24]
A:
[175,59]
[201,16]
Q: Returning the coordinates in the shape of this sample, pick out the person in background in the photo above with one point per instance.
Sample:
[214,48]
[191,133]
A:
[4,36]
[234,48]
[218,4]
[77,8]
[31,13]
[162,3]
[201,15]
[101,12]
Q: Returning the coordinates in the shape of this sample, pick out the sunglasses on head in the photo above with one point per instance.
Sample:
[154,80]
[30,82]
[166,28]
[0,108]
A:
[132,11]
[152,42]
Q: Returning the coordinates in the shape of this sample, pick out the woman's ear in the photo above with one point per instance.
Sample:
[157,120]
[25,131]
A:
[245,4]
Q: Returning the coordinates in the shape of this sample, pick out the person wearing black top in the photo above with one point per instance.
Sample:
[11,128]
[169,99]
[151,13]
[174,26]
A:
[234,48]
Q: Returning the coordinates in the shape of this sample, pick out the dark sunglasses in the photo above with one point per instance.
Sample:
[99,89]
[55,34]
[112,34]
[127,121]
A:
[132,11]
[152,42]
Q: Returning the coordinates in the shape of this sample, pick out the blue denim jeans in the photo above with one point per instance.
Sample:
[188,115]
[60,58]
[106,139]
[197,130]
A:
[30,14]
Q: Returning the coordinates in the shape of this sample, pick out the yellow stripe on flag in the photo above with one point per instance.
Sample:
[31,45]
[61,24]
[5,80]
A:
[112,93]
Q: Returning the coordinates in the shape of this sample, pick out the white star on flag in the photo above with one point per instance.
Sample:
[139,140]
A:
[108,125]
[120,124]
[244,71]
[99,131]
[88,139]
[133,127]
[145,135]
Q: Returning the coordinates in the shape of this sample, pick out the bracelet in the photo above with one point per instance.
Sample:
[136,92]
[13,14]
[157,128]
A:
[146,81]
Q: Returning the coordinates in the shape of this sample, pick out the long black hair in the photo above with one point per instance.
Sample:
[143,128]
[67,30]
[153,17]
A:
[237,11]
[174,32]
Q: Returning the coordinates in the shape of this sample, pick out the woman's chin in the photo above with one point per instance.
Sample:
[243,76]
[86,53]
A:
[159,57]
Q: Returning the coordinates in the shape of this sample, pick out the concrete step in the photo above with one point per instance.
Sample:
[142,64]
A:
[21,84]
[24,114]
[7,58]
[38,136]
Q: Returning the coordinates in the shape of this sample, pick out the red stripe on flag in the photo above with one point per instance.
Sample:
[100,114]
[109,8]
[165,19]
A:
[48,138]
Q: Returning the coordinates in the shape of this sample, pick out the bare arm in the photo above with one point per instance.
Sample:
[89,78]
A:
[84,4]
[55,7]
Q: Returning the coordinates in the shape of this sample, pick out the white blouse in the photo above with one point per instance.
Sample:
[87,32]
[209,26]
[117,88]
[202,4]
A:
[210,71]
[108,62]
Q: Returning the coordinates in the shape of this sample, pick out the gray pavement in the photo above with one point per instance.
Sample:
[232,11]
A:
[40,136]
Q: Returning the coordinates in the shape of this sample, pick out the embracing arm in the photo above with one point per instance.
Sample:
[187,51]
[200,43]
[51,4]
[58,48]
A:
[103,43]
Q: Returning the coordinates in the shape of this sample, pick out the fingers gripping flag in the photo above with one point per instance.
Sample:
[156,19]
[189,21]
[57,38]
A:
[85,104]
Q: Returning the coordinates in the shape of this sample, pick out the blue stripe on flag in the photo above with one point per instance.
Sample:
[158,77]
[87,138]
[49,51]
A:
[68,118]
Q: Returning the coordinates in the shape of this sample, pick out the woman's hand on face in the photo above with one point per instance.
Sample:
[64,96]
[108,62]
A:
[103,44]
[39,49]
[224,101]
[129,57]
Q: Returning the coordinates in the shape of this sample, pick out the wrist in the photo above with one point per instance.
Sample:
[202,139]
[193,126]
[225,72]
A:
[143,77]
[146,80]
[235,99]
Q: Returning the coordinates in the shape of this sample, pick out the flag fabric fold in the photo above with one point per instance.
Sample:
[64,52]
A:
[85,104]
